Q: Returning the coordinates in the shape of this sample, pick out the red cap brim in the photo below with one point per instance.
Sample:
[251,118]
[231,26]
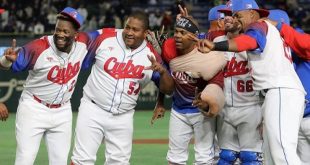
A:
[262,12]
[225,11]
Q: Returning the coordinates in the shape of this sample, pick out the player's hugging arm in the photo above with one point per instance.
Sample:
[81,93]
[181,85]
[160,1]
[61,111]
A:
[213,95]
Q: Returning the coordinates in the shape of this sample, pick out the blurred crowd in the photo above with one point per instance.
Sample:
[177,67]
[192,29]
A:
[39,16]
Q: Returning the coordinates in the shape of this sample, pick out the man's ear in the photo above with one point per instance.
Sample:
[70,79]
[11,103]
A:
[254,14]
[145,33]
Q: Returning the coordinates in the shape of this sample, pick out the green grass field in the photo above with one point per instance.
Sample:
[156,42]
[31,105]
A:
[142,154]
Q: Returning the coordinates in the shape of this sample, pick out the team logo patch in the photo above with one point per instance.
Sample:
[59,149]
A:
[121,70]
[60,75]
[110,48]
[186,77]
[234,67]
[50,59]
[248,6]
[74,14]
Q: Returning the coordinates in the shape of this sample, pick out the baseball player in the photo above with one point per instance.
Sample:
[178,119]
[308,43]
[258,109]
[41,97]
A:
[268,57]
[216,31]
[186,120]
[121,59]
[44,109]
[302,67]
[241,116]
[216,20]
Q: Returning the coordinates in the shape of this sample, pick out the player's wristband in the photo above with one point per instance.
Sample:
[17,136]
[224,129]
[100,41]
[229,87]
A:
[5,62]
[221,46]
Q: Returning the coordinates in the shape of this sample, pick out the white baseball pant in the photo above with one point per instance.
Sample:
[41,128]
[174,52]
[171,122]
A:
[34,121]
[282,111]
[94,126]
[182,127]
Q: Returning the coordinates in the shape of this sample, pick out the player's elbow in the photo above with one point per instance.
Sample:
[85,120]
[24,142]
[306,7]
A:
[166,90]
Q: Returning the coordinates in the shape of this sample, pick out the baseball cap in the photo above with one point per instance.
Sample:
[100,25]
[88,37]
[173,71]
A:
[74,15]
[240,5]
[227,10]
[279,16]
[1,11]
[214,14]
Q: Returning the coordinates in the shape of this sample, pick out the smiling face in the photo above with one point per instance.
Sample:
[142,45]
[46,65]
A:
[184,44]
[134,32]
[64,35]
[246,17]
[231,24]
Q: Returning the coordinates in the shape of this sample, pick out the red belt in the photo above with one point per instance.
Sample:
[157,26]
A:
[47,104]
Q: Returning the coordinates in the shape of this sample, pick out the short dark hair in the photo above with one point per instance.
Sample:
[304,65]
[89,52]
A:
[142,16]
[67,18]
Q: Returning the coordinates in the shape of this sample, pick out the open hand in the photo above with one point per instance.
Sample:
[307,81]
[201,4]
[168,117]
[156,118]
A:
[156,66]
[183,12]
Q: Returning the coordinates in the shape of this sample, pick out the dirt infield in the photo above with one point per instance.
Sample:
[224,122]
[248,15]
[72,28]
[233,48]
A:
[153,141]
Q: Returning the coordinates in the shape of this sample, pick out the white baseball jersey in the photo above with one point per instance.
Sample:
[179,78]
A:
[52,73]
[238,82]
[271,70]
[118,74]
[49,85]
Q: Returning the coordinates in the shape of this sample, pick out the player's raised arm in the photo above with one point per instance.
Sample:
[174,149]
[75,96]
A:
[166,83]
[297,40]
[9,56]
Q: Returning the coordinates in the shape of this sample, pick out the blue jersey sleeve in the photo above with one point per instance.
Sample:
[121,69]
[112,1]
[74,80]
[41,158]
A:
[90,57]
[28,55]
[22,62]
[156,76]
[258,31]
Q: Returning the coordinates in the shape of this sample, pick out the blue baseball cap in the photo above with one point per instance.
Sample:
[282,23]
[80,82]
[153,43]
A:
[240,5]
[279,16]
[74,15]
[227,10]
[214,14]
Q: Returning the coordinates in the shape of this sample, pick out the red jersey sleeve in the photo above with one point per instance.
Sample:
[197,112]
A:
[169,50]
[300,43]
[218,79]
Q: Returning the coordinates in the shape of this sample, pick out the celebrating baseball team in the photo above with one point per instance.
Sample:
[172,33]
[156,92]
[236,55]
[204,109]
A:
[241,88]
